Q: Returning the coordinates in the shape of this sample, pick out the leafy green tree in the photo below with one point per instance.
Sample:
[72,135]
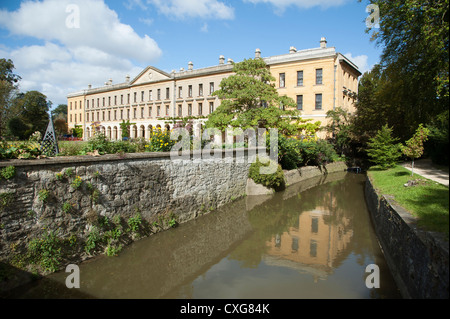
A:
[249,100]
[437,146]
[60,126]
[77,131]
[16,127]
[125,126]
[413,83]
[8,89]
[34,110]
[383,149]
[340,129]
[60,112]
[414,146]
[371,110]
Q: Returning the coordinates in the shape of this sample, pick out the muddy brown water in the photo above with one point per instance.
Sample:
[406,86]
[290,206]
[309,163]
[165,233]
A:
[313,240]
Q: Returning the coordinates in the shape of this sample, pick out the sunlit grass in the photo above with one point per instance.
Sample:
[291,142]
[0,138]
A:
[428,201]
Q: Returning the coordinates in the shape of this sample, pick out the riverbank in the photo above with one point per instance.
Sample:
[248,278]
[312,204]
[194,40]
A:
[429,170]
[425,199]
[418,255]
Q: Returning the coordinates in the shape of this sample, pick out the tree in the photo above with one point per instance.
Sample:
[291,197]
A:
[249,100]
[60,112]
[8,89]
[414,146]
[340,129]
[414,64]
[437,146]
[383,149]
[125,126]
[33,108]
[16,127]
[77,131]
[61,126]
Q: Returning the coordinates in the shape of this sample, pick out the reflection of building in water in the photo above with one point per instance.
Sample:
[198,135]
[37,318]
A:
[314,244]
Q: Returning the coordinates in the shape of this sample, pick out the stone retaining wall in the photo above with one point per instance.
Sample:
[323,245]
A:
[43,195]
[295,176]
[418,259]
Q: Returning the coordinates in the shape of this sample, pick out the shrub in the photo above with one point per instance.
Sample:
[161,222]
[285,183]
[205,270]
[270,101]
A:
[99,142]
[46,251]
[289,152]
[324,153]
[160,141]
[21,150]
[275,180]
[293,153]
[121,147]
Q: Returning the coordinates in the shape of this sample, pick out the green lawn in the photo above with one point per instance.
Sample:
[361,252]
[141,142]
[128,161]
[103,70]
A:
[429,201]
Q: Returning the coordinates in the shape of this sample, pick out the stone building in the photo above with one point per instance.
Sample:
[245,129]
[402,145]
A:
[318,79]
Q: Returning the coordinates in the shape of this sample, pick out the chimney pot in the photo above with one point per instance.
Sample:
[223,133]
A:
[190,66]
[323,42]
[257,53]
[221,59]
[292,50]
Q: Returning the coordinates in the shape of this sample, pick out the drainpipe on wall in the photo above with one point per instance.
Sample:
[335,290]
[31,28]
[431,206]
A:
[334,90]
[334,85]
[174,95]
[84,117]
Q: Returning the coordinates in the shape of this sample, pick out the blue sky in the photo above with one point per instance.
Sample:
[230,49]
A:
[61,46]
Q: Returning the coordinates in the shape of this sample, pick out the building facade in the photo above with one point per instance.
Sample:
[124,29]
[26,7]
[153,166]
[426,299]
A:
[318,79]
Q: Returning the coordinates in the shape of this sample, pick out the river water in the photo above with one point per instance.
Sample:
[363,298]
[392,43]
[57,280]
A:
[313,240]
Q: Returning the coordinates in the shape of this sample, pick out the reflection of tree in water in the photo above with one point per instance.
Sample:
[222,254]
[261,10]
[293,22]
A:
[345,207]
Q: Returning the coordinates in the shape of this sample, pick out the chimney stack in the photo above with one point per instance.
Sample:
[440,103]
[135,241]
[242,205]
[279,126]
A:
[323,43]
[257,53]
[230,61]
[221,59]
[127,78]
[292,50]
[190,66]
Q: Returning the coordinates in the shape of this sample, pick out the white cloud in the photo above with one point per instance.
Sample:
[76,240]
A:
[131,4]
[206,9]
[146,21]
[361,61]
[100,28]
[70,58]
[281,5]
